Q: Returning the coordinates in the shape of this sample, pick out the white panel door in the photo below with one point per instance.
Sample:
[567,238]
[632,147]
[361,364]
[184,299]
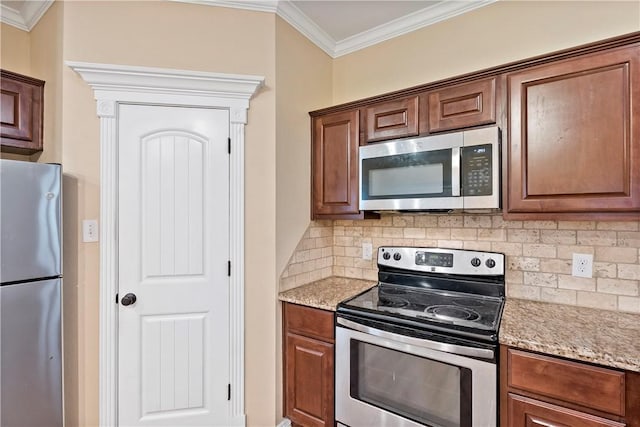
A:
[173,250]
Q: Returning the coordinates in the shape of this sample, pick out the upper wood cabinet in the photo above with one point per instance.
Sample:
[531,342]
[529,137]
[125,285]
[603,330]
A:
[461,106]
[334,165]
[570,125]
[391,119]
[574,135]
[21,113]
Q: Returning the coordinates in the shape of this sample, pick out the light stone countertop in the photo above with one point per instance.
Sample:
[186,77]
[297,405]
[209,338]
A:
[326,293]
[603,337]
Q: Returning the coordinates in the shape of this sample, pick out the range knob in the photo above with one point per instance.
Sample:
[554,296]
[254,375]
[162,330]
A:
[490,263]
[476,262]
[397,256]
[386,255]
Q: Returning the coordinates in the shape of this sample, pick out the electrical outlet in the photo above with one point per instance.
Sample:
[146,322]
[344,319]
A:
[582,265]
[90,230]
[367,251]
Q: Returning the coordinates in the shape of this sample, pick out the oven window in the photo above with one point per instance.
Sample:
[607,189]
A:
[426,391]
[404,176]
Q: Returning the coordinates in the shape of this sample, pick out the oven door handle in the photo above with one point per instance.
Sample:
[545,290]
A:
[481,353]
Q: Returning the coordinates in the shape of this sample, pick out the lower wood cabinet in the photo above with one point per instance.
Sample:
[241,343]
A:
[524,411]
[541,390]
[308,365]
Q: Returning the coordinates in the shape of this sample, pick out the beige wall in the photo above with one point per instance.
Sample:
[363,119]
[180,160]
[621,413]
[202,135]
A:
[153,34]
[299,78]
[303,83]
[46,64]
[496,34]
[15,55]
[15,49]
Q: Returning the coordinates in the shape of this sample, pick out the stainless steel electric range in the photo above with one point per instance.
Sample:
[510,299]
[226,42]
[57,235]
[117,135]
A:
[420,348]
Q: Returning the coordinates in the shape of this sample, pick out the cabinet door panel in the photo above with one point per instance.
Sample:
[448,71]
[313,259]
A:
[309,386]
[21,113]
[524,411]
[392,119]
[335,164]
[469,104]
[572,144]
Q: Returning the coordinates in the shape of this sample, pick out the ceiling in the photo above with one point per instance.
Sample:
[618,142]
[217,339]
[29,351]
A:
[337,27]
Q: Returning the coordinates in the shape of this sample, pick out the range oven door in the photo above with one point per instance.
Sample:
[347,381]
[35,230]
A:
[385,379]
[412,174]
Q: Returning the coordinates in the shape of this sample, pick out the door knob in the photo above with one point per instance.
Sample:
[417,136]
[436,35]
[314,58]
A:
[128,299]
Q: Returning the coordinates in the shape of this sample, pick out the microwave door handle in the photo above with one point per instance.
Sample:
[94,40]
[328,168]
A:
[455,171]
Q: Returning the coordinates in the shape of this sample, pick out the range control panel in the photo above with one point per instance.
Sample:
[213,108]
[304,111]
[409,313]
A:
[439,260]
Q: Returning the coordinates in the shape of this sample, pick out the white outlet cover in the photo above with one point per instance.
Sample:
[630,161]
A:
[582,265]
[367,251]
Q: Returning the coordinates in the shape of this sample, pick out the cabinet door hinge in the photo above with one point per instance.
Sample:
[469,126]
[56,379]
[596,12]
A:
[229,268]
[229,145]
[228,391]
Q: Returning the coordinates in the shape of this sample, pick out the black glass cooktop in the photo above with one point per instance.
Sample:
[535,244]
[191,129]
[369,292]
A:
[442,307]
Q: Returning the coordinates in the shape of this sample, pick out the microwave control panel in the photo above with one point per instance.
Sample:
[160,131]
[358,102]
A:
[476,170]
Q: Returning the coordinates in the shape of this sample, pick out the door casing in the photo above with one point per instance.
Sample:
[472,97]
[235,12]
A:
[113,84]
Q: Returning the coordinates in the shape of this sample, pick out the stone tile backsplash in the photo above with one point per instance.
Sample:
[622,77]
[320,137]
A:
[539,253]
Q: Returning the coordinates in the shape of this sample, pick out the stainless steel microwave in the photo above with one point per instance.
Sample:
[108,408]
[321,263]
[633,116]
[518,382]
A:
[459,170]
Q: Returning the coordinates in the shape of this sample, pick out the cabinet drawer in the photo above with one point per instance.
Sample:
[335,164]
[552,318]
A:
[309,321]
[392,119]
[524,411]
[469,104]
[589,386]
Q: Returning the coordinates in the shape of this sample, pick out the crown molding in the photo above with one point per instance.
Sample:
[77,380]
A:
[308,28]
[301,22]
[32,11]
[406,24]
[257,6]
[27,16]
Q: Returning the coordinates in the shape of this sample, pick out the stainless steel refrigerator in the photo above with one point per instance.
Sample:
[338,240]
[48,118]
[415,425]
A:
[30,294]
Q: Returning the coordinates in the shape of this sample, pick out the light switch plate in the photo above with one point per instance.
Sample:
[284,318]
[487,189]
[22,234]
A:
[90,230]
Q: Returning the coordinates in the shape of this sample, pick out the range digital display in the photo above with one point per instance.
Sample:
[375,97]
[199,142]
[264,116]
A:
[434,259]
